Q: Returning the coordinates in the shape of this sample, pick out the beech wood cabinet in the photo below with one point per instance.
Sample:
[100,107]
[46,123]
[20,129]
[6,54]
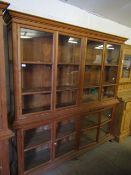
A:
[63,88]
[5,133]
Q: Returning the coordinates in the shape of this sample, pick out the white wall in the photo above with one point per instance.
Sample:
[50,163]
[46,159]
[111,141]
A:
[57,10]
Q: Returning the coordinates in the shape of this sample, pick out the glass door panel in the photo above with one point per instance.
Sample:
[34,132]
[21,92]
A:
[112,54]
[36,102]
[126,67]
[36,70]
[65,127]
[37,156]
[90,120]
[90,94]
[65,145]
[88,137]
[106,115]
[110,74]
[104,130]
[37,136]
[94,52]
[108,92]
[36,46]
[69,50]
[68,69]
[92,76]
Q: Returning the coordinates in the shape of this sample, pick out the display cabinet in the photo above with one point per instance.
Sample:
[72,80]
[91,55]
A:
[123,110]
[64,84]
[5,133]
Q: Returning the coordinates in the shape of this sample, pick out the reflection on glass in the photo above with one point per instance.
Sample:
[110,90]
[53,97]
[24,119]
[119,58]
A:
[37,156]
[92,75]
[104,130]
[90,120]
[35,77]
[112,54]
[37,136]
[36,102]
[68,76]
[65,145]
[36,46]
[90,94]
[88,137]
[94,52]
[110,75]
[69,50]
[108,91]
[65,127]
[66,98]
[126,66]
[106,115]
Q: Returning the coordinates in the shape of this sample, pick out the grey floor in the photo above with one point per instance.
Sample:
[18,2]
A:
[110,158]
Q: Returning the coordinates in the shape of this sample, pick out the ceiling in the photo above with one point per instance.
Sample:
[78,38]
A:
[116,10]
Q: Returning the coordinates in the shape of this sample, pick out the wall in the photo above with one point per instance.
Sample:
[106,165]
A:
[57,10]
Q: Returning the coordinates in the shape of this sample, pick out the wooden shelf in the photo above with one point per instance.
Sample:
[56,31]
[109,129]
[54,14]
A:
[89,128]
[45,108]
[113,65]
[60,137]
[92,64]
[68,64]
[108,84]
[65,104]
[35,62]
[66,88]
[45,90]
[92,86]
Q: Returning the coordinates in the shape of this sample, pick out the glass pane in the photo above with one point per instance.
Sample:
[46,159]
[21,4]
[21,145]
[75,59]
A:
[36,46]
[104,130]
[37,156]
[94,52]
[126,66]
[37,136]
[65,145]
[67,77]
[88,137]
[65,127]
[69,50]
[92,75]
[110,75]
[106,115]
[36,78]
[112,54]
[36,103]
[108,91]
[90,94]
[66,98]
[90,120]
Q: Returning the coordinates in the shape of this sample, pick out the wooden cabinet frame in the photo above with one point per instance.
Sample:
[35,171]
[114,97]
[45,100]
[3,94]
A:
[22,122]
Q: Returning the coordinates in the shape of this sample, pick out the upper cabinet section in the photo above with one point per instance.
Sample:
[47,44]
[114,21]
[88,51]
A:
[58,65]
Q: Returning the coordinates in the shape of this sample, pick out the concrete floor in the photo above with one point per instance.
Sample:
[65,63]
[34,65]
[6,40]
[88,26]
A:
[110,158]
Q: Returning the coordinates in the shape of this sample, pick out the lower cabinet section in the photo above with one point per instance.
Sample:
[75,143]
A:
[46,144]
